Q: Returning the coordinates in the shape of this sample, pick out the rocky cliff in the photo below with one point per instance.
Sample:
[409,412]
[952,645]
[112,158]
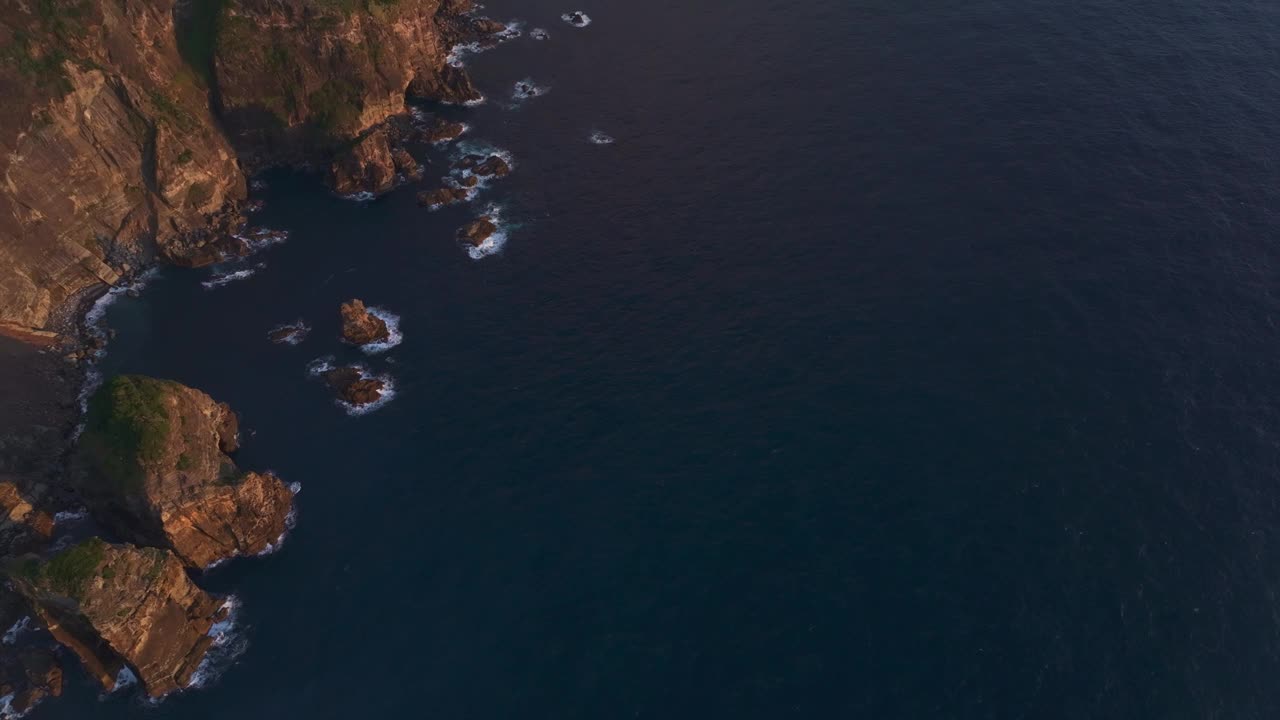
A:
[124,137]
[117,607]
[153,467]
[108,149]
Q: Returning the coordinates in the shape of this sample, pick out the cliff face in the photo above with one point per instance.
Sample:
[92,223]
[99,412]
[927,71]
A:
[154,468]
[116,147]
[108,150]
[295,76]
[119,606]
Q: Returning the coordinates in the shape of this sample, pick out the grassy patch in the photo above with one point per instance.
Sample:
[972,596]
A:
[127,426]
[335,106]
[68,572]
[198,194]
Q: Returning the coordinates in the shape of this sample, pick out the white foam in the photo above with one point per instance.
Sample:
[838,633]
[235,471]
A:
[15,631]
[124,679]
[600,138]
[228,644]
[362,196]
[6,708]
[458,53]
[495,242]
[262,238]
[318,367]
[388,393]
[64,517]
[300,332]
[394,336]
[227,276]
[258,184]
[527,89]
[583,22]
[539,34]
[484,150]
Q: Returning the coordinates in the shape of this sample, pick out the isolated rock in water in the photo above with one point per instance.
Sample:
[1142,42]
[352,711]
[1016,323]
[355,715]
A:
[28,675]
[441,197]
[491,166]
[119,606]
[442,131]
[494,166]
[487,26]
[405,164]
[367,166]
[361,327]
[576,18]
[153,467]
[478,231]
[289,334]
[469,181]
[353,387]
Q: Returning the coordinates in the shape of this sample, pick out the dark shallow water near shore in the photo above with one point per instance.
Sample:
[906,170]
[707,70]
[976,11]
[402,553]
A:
[899,360]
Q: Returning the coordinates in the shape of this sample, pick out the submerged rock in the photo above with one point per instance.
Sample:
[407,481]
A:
[119,606]
[353,387]
[289,334]
[442,196]
[361,327]
[491,166]
[476,232]
[442,130]
[153,467]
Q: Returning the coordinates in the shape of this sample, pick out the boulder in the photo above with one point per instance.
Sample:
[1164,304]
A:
[441,197]
[478,231]
[153,467]
[117,607]
[493,166]
[351,384]
[361,327]
[23,526]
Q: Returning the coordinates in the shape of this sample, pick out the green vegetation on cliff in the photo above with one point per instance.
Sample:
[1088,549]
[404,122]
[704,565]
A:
[69,571]
[127,425]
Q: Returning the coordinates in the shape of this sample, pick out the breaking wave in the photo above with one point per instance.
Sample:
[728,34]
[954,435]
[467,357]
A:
[228,644]
[577,18]
[227,276]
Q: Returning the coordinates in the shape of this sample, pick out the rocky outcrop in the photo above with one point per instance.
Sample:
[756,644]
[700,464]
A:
[296,76]
[353,386]
[29,675]
[108,150]
[153,466]
[111,152]
[440,197]
[481,166]
[361,327]
[476,232]
[442,131]
[119,606]
[374,164]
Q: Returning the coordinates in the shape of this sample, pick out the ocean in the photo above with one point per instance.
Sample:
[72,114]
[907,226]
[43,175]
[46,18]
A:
[899,359]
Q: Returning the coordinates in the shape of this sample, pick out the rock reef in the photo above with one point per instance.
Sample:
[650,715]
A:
[361,327]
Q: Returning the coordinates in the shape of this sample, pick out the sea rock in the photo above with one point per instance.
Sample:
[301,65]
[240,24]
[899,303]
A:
[442,196]
[367,166]
[441,131]
[351,384]
[289,334]
[487,26]
[361,327]
[118,606]
[478,231]
[469,181]
[153,467]
[491,166]
[405,164]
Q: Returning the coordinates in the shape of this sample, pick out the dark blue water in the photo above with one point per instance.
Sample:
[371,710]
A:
[901,359]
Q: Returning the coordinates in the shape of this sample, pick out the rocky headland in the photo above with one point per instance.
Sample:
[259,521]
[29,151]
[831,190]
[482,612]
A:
[127,136]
